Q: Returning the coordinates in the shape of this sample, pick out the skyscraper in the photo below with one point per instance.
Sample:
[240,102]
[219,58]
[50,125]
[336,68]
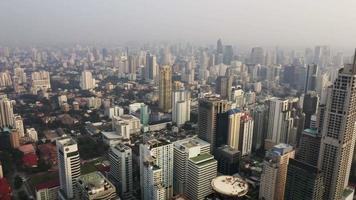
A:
[257,56]
[156,158]
[40,81]
[311,78]
[69,167]
[259,115]
[310,106]
[165,88]
[223,86]
[246,134]
[228,55]
[202,169]
[120,157]
[309,147]
[87,82]
[274,174]
[338,133]
[150,71]
[6,113]
[184,150]
[180,106]
[228,128]
[303,181]
[209,108]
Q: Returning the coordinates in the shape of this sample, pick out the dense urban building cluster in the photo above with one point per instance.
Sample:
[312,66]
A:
[177,121]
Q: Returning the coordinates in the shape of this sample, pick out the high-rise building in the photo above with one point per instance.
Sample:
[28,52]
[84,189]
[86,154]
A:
[304,181]
[202,169]
[150,71]
[14,139]
[120,157]
[184,150]
[223,86]
[68,167]
[283,120]
[144,115]
[259,115]
[311,78]
[6,113]
[94,186]
[18,125]
[257,56]
[156,158]
[180,106]
[40,81]
[209,108]
[338,133]
[309,147]
[274,174]
[310,106]
[228,160]
[228,55]
[165,88]
[87,82]
[246,134]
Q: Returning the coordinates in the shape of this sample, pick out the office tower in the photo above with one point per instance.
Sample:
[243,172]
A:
[274,174]
[18,125]
[133,63]
[6,113]
[14,139]
[144,115]
[202,169]
[165,88]
[310,106]
[322,56]
[259,114]
[246,134]
[156,158]
[150,71]
[219,56]
[309,147]
[228,54]
[304,181]
[228,160]
[308,56]
[208,109]
[257,56]
[219,46]
[228,128]
[87,82]
[180,107]
[68,167]
[95,186]
[223,86]
[184,150]
[120,157]
[338,135]
[40,81]
[311,78]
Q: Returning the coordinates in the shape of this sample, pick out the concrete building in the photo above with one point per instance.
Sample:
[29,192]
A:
[18,125]
[40,81]
[14,139]
[32,134]
[246,134]
[201,170]
[87,82]
[69,167]
[338,133]
[180,106]
[165,88]
[126,125]
[229,187]
[156,159]
[183,150]
[223,86]
[120,157]
[95,186]
[228,160]
[151,68]
[274,174]
[6,113]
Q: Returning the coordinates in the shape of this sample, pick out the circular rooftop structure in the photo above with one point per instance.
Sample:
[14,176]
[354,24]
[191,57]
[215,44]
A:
[230,186]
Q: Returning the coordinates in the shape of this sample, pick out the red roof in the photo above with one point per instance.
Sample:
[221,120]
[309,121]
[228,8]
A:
[5,190]
[30,160]
[27,148]
[48,184]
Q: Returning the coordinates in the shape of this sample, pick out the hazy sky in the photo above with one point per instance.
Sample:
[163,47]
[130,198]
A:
[248,22]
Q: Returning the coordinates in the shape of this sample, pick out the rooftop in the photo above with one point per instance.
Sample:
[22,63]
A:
[202,158]
[94,183]
[229,186]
